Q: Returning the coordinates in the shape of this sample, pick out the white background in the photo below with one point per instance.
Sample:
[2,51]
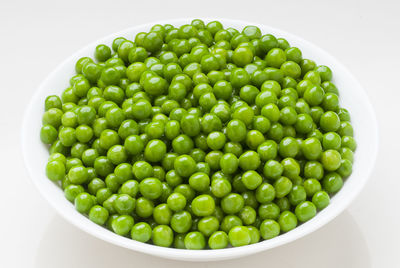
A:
[35,36]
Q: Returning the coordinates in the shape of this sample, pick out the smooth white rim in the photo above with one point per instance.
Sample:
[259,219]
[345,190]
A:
[321,219]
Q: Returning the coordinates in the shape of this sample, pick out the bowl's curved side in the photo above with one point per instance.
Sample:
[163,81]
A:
[352,97]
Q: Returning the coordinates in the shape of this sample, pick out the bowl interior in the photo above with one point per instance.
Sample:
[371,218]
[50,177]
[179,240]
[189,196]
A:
[352,97]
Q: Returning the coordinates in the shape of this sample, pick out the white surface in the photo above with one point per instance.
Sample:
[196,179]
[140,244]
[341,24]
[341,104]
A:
[361,34]
[363,118]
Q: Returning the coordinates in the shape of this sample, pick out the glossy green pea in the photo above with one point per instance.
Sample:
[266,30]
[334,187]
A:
[283,187]
[305,211]
[55,170]
[194,241]
[332,182]
[103,194]
[297,194]
[346,129]
[269,229]
[267,150]
[144,207]
[130,187]
[349,142]
[321,199]
[249,160]
[218,240]
[155,150]
[275,57]
[265,193]
[84,202]
[176,201]
[72,190]
[331,140]
[95,185]
[273,169]
[261,123]
[232,203]
[78,175]
[313,169]
[185,165]
[344,114]
[251,179]
[208,225]
[345,169]
[203,205]
[141,232]
[254,138]
[329,121]
[330,159]
[268,211]
[179,241]
[220,187]
[311,186]
[150,188]
[287,221]
[288,147]
[162,236]
[199,181]
[203,167]
[213,159]
[172,178]
[239,236]
[311,148]
[162,214]
[229,163]
[271,112]
[124,204]
[198,155]
[234,148]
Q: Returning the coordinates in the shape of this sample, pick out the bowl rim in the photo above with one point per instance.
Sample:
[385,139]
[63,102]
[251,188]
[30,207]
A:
[321,219]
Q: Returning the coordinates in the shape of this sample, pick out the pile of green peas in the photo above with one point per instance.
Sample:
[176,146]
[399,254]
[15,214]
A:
[198,137]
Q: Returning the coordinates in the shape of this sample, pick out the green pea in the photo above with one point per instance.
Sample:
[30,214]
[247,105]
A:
[55,170]
[239,236]
[194,241]
[321,199]
[150,188]
[330,159]
[270,229]
[332,182]
[218,240]
[162,236]
[305,211]
[203,205]
[124,204]
[199,181]
[185,165]
[84,202]
[98,214]
[311,148]
[72,190]
[155,150]
[176,201]
[273,169]
[249,160]
[287,221]
[141,232]
[144,207]
[208,225]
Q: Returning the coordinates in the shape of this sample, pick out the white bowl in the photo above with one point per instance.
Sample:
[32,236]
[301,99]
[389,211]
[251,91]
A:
[352,97]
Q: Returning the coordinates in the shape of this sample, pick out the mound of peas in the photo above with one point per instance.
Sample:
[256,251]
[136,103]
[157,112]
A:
[198,137]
